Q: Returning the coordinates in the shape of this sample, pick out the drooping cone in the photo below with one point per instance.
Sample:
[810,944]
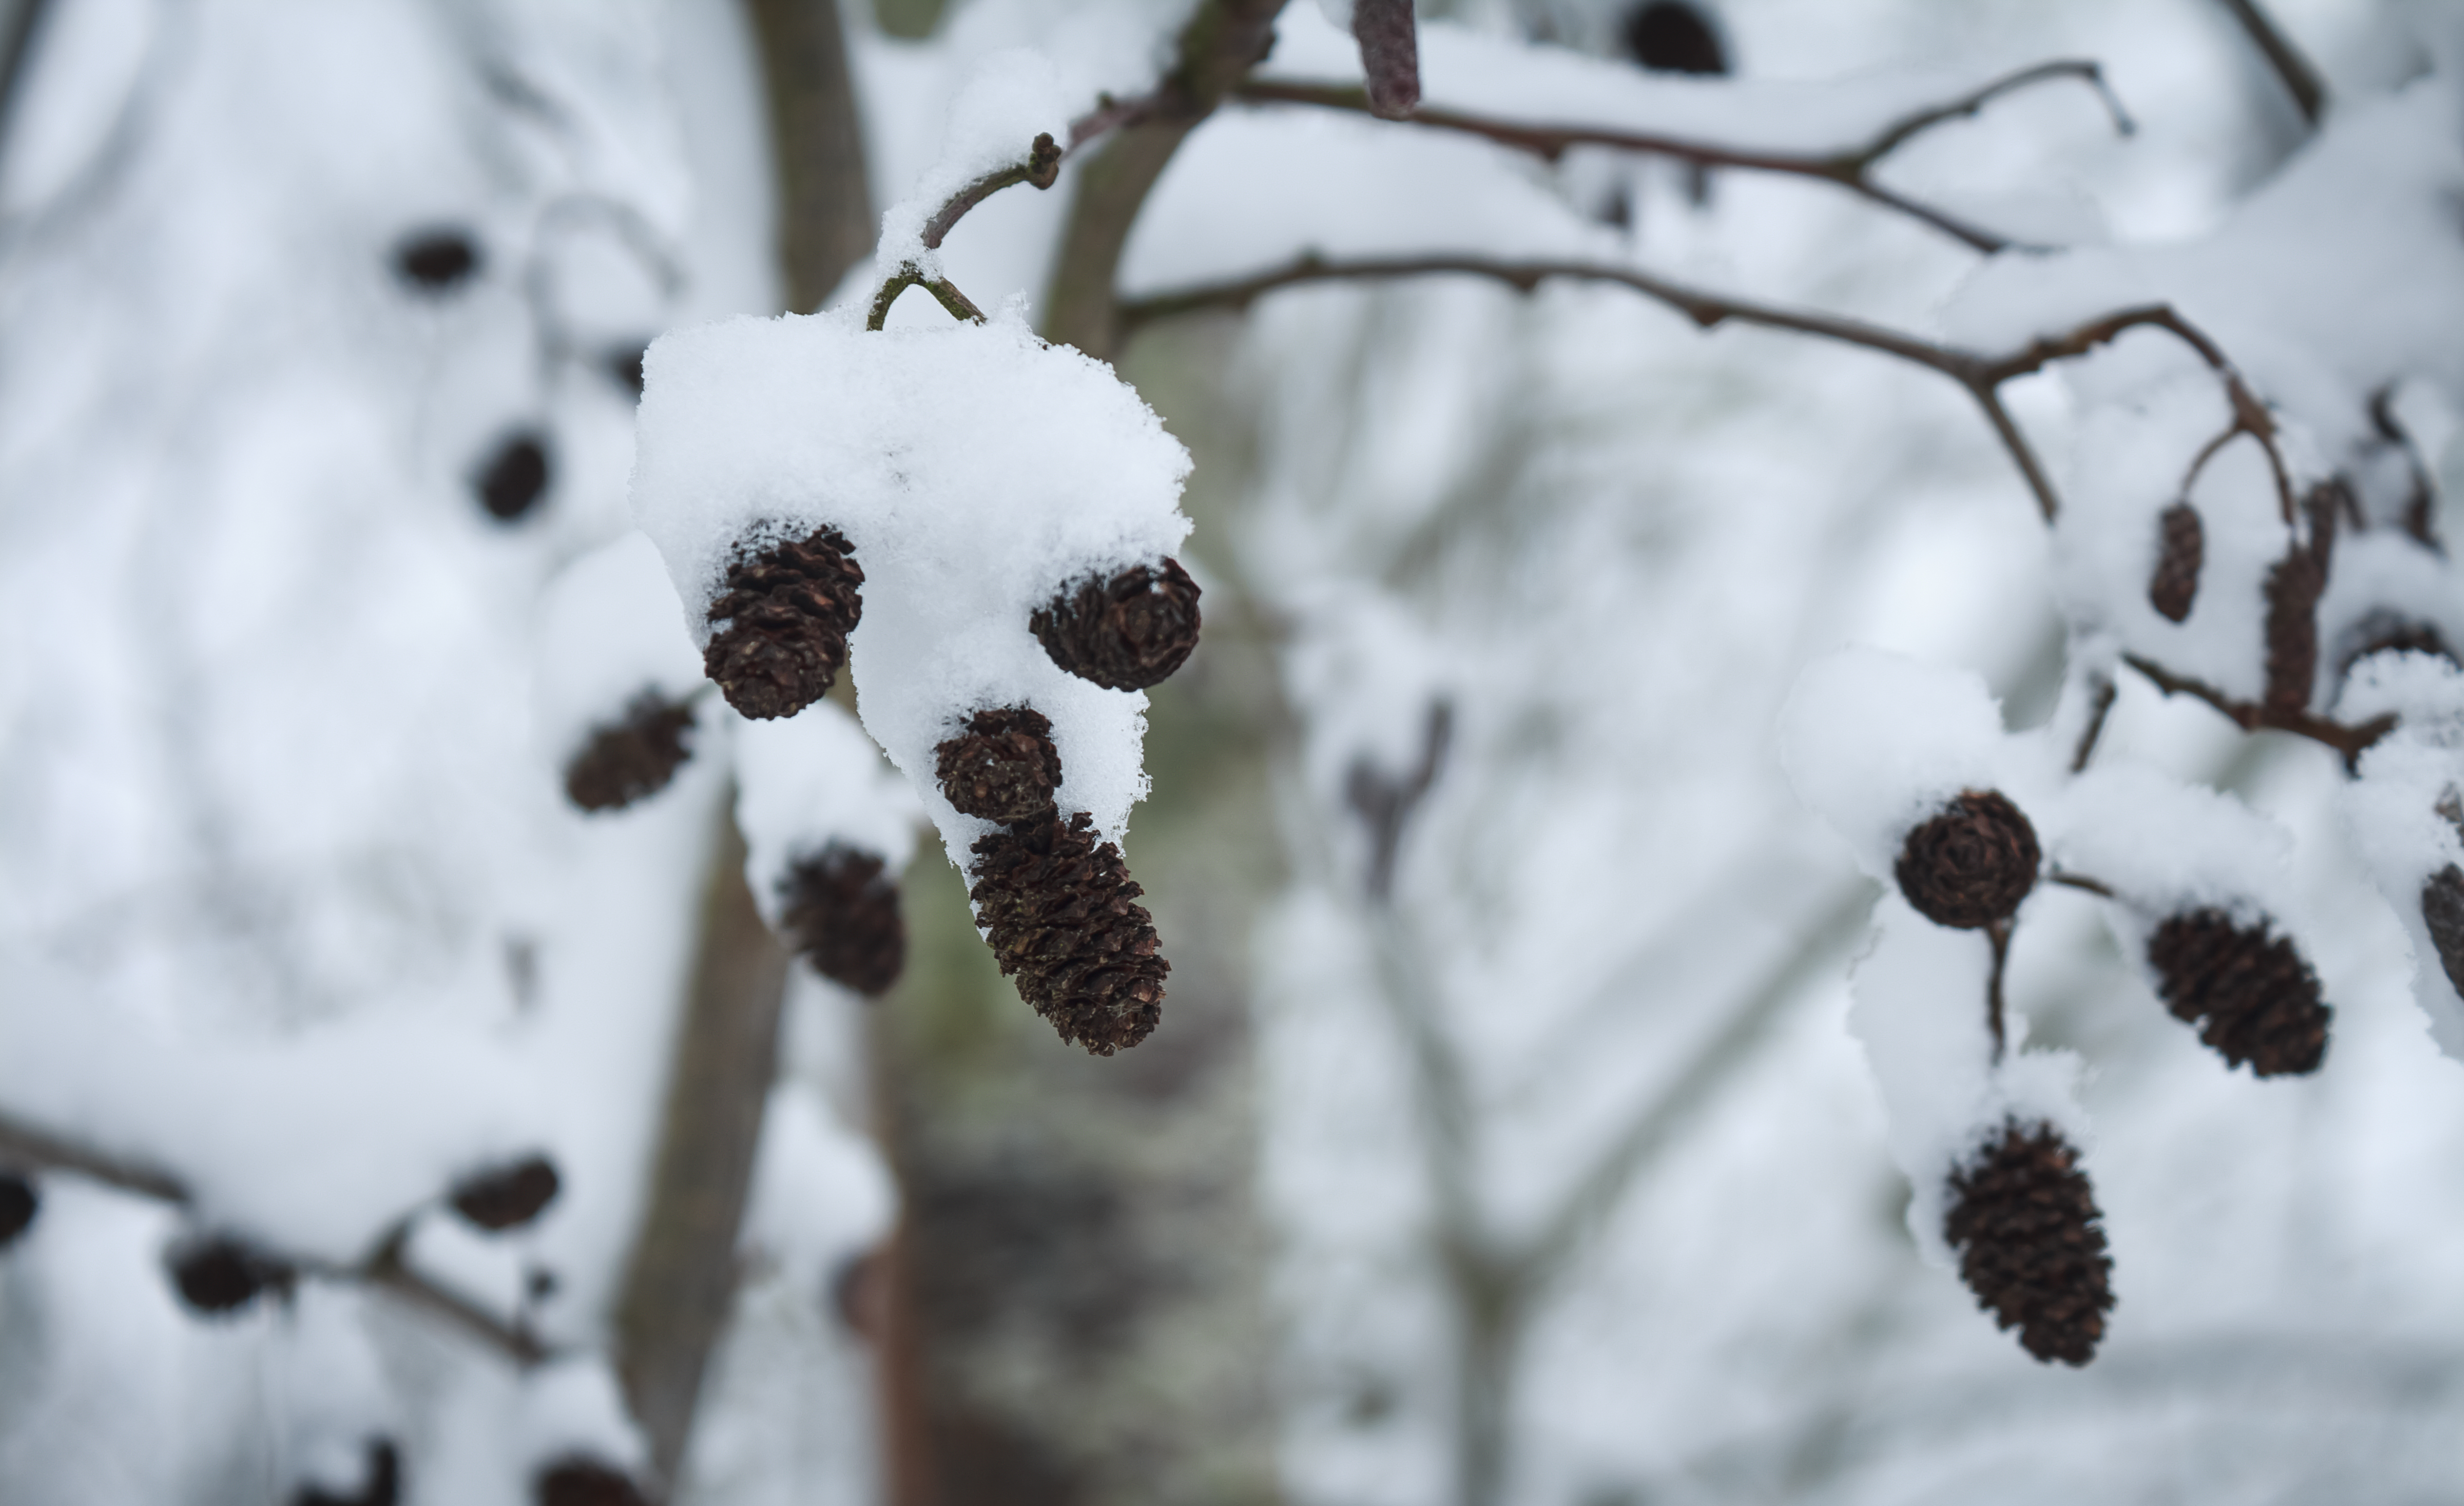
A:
[2259,999]
[841,911]
[220,1274]
[2030,1245]
[2442,911]
[507,1197]
[1972,864]
[1061,911]
[1390,54]
[1125,632]
[1004,767]
[578,1482]
[782,624]
[2182,550]
[633,758]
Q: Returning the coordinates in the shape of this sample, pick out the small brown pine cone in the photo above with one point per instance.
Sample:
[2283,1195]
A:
[2259,999]
[2442,911]
[1059,909]
[220,1274]
[1127,631]
[841,911]
[633,758]
[507,1197]
[576,1480]
[1390,54]
[2031,1242]
[2182,550]
[782,624]
[1004,767]
[2294,587]
[1972,863]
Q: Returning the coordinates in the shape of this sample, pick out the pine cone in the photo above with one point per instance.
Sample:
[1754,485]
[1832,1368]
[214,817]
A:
[2442,911]
[2024,1220]
[1126,633]
[515,478]
[1004,767]
[1058,907]
[220,1274]
[631,759]
[1970,865]
[575,1480]
[19,1203]
[507,1197]
[2259,999]
[842,914]
[1390,54]
[2183,550]
[383,1486]
[782,624]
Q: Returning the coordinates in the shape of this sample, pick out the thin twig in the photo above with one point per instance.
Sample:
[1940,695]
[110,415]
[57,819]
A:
[2100,707]
[2349,740]
[2081,881]
[961,306]
[2301,78]
[1999,933]
[1043,165]
[1851,169]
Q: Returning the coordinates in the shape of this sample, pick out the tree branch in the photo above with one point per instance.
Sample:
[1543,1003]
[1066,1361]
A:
[2301,78]
[2351,741]
[1851,169]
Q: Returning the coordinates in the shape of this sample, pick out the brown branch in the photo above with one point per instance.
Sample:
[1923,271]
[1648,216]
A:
[1851,169]
[1043,165]
[1999,933]
[2080,881]
[2301,78]
[961,306]
[2349,740]
[2100,707]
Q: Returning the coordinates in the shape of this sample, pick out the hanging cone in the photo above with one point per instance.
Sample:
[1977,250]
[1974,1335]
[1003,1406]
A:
[220,1274]
[381,1486]
[2259,999]
[2442,911]
[507,1197]
[2024,1220]
[1125,633]
[578,1482]
[631,759]
[1059,911]
[782,624]
[1004,767]
[842,914]
[1970,865]
[19,1203]
[1390,54]
[2181,551]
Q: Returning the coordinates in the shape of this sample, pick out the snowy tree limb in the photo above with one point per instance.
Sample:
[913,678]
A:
[1851,169]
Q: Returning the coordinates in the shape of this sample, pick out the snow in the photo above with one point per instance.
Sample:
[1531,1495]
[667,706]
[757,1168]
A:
[974,470]
[806,782]
[1007,100]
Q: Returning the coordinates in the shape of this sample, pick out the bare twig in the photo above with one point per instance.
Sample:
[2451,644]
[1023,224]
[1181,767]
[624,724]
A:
[2100,707]
[1851,169]
[2352,741]
[2301,78]
[1042,165]
[1999,935]
[2079,881]
[961,306]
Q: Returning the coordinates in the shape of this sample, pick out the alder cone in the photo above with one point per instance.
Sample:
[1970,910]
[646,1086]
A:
[1061,915]
[631,759]
[1125,632]
[2442,911]
[1972,864]
[19,1203]
[578,1482]
[841,913]
[2181,551]
[2031,1242]
[507,1197]
[782,624]
[220,1274]
[2258,998]
[1004,767]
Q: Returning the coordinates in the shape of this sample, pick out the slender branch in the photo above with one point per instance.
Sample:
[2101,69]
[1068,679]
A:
[2079,881]
[2300,76]
[1851,169]
[961,306]
[1999,933]
[2349,740]
[2100,707]
[1043,165]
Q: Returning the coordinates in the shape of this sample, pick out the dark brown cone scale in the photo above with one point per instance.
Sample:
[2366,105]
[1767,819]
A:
[2181,550]
[2258,998]
[2442,911]
[2031,1242]
[783,623]
[1004,767]
[507,1197]
[1061,915]
[631,759]
[841,913]
[1125,631]
[578,1482]
[1970,864]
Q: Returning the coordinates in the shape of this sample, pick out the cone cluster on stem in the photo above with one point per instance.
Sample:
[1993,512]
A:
[781,624]
[2259,1000]
[1128,631]
[1971,863]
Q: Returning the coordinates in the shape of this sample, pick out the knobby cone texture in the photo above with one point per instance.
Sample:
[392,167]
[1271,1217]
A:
[507,1197]
[1972,864]
[633,758]
[1124,631]
[2259,999]
[2442,911]
[2024,1220]
[841,913]
[1059,911]
[781,625]
[2181,548]
[578,1482]
[1003,766]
